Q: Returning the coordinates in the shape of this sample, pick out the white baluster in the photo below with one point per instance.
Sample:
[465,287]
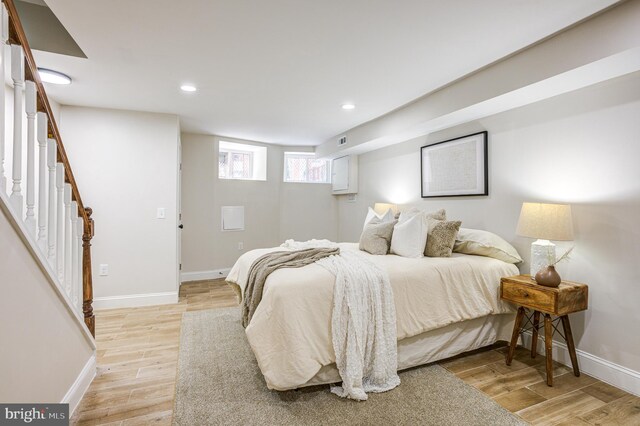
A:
[60,222]
[74,252]
[52,152]
[17,75]
[42,181]
[30,107]
[68,284]
[4,36]
[78,269]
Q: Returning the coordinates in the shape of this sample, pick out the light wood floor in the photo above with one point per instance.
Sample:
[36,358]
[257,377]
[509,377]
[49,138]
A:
[138,353]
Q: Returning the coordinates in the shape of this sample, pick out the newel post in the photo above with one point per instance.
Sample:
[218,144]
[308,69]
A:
[87,281]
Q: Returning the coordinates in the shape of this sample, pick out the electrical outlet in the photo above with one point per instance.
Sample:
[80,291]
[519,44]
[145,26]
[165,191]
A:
[240,245]
[162,213]
[103,270]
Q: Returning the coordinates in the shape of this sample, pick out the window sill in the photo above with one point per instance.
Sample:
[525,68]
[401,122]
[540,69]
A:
[241,179]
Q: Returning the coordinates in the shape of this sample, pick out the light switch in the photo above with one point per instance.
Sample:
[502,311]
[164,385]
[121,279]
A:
[103,270]
[161,213]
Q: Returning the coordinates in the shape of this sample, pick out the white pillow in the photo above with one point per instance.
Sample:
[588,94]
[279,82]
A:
[387,217]
[410,237]
[485,243]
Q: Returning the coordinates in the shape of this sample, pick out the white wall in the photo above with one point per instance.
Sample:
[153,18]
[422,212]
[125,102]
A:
[274,210]
[307,211]
[126,167]
[44,348]
[581,148]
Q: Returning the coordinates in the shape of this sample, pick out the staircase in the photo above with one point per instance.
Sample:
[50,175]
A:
[37,189]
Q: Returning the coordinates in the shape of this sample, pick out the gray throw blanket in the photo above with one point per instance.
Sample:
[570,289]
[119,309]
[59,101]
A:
[265,265]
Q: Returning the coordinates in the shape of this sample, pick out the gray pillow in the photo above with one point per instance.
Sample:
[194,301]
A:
[441,237]
[406,214]
[376,236]
[438,215]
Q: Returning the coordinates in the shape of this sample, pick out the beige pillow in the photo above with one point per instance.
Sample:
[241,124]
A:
[485,243]
[408,214]
[376,236]
[441,237]
[437,215]
[388,216]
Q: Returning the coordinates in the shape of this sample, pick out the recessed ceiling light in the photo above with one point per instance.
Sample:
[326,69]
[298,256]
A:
[53,77]
[188,88]
[348,106]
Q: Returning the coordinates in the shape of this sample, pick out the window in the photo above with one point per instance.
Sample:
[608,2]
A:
[242,161]
[304,167]
[235,165]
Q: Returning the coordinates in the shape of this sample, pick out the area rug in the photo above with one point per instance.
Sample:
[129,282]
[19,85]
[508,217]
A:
[219,383]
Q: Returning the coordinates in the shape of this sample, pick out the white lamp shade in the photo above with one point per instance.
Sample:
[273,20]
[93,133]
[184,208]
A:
[381,208]
[546,221]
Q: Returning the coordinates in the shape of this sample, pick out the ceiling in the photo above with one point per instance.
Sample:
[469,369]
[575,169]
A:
[278,71]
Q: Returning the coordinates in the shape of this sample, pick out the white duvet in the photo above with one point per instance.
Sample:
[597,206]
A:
[290,332]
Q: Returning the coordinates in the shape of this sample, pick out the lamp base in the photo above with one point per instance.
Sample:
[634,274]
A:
[542,251]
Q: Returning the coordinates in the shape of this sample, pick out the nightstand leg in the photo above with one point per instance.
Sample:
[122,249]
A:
[572,349]
[534,339]
[514,336]
[548,339]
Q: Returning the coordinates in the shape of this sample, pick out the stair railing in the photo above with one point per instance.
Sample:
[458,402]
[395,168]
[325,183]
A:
[46,199]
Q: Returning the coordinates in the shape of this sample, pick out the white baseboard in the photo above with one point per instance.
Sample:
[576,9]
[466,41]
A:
[79,387]
[135,300]
[606,371]
[204,275]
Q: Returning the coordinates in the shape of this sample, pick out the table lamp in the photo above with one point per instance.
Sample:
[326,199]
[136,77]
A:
[544,222]
[381,208]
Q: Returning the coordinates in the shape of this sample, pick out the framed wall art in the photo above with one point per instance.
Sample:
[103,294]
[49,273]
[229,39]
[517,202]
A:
[455,167]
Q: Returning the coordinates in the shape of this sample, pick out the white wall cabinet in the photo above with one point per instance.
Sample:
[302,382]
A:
[344,175]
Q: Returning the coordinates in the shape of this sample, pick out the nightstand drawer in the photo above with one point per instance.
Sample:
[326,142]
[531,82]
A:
[533,298]
[567,298]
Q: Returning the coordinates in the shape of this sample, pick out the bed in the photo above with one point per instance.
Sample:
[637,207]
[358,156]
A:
[444,306]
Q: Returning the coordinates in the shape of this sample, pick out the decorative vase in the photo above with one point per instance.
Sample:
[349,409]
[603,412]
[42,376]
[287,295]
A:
[548,277]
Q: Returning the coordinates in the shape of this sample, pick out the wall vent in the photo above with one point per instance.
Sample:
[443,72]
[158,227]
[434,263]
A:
[342,141]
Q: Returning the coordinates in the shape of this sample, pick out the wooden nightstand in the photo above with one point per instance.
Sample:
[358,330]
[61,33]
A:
[567,298]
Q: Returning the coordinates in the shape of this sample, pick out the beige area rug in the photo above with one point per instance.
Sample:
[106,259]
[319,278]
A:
[219,383]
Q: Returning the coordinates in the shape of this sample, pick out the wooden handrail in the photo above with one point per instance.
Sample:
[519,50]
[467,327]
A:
[18,36]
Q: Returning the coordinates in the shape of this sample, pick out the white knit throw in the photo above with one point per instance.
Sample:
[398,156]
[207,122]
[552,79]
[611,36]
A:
[301,245]
[363,326]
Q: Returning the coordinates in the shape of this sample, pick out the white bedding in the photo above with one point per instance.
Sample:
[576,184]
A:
[290,332]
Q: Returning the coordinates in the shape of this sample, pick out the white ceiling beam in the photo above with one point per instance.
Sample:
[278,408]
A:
[603,48]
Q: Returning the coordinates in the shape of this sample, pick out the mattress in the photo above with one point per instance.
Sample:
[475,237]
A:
[290,332]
